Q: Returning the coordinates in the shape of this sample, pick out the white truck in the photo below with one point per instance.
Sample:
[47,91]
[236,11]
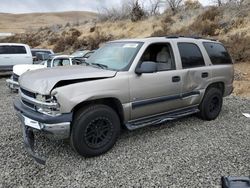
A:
[13,54]
[53,61]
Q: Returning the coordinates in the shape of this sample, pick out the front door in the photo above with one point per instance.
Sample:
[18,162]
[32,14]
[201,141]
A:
[154,93]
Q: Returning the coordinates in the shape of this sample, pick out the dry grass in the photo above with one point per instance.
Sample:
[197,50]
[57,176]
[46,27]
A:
[20,23]
[229,24]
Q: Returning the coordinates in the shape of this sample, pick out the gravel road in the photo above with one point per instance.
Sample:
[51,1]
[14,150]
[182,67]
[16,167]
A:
[185,153]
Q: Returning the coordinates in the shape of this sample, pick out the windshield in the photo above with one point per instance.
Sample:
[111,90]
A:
[115,55]
[79,53]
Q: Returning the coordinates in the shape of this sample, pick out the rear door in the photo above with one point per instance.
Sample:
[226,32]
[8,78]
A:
[5,58]
[196,73]
[20,54]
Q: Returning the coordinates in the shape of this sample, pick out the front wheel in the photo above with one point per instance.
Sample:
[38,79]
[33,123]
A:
[211,104]
[95,130]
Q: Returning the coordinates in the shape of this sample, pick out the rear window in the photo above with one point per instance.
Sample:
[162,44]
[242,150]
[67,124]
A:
[190,55]
[34,52]
[217,53]
[12,50]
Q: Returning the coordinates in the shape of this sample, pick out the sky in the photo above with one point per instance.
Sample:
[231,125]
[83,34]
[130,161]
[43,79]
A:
[27,6]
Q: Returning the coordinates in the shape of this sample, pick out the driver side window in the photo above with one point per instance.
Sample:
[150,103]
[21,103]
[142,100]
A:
[160,53]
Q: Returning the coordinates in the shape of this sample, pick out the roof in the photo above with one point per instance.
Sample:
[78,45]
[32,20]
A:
[14,44]
[168,38]
[40,49]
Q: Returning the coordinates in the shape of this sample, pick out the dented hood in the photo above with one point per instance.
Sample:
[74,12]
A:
[42,81]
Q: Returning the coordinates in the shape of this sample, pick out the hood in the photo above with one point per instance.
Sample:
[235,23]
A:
[44,80]
[20,69]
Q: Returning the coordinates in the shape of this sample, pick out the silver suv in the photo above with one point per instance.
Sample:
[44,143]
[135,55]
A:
[132,83]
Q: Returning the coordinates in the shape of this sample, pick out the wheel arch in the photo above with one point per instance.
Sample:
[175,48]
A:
[219,85]
[112,102]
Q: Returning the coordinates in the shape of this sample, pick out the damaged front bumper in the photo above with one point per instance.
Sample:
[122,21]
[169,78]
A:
[57,127]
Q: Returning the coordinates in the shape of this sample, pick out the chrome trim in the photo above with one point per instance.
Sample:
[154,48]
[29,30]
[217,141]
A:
[38,103]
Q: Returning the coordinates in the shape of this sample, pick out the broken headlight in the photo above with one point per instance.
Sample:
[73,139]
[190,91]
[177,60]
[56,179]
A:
[47,105]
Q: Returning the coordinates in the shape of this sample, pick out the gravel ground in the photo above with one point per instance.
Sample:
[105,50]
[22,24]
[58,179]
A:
[185,153]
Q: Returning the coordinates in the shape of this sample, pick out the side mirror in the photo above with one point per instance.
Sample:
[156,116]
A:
[146,67]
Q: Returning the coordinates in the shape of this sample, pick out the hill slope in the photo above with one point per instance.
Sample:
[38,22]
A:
[19,23]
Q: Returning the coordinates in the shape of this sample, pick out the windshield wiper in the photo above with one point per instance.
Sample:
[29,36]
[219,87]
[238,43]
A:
[100,65]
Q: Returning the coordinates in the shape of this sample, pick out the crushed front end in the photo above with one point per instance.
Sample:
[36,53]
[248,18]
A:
[40,113]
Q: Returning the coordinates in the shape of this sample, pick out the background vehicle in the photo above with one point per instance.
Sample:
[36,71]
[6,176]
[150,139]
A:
[84,54]
[132,83]
[14,54]
[34,51]
[53,61]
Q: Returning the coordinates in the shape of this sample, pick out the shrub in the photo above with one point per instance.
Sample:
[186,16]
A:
[191,5]
[166,23]
[238,46]
[137,13]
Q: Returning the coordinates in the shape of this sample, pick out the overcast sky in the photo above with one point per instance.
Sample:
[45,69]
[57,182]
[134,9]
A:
[26,6]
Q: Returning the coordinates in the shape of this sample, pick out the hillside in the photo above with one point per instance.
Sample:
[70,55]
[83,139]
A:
[229,24]
[20,23]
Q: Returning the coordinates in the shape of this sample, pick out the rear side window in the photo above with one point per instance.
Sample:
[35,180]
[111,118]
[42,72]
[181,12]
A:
[190,55]
[12,50]
[217,53]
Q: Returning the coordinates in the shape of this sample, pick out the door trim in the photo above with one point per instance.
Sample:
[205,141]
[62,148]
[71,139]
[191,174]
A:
[142,103]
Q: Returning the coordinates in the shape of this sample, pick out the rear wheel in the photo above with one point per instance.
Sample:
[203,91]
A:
[95,130]
[211,104]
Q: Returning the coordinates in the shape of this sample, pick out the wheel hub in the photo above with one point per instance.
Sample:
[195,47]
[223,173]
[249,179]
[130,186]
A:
[98,132]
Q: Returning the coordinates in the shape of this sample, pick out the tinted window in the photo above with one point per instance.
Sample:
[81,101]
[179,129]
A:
[34,52]
[3,49]
[12,50]
[190,55]
[217,53]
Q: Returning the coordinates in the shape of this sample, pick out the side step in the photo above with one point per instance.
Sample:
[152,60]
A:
[157,119]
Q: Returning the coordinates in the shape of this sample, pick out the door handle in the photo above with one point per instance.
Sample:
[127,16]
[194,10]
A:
[204,75]
[6,57]
[176,78]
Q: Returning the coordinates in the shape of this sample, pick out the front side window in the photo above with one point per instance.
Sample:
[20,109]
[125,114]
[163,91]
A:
[3,49]
[190,55]
[61,62]
[217,53]
[115,55]
[161,54]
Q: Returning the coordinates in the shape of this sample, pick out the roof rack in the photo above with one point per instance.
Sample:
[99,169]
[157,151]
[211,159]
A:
[193,37]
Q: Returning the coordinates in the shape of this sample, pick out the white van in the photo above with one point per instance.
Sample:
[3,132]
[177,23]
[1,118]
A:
[14,54]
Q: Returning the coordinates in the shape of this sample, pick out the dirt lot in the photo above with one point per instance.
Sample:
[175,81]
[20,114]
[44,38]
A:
[184,153]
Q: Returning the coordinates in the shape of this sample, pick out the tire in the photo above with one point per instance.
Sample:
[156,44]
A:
[211,104]
[95,130]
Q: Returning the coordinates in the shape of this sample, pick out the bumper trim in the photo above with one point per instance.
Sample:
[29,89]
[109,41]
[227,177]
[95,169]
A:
[28,138]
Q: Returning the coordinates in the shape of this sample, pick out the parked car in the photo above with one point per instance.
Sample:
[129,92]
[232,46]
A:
[84,54]
[34,52]
[53,61]
[13,54]
[132,83]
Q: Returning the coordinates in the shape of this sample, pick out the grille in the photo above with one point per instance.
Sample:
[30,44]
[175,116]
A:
[15,77]
[28,104]
[28,93]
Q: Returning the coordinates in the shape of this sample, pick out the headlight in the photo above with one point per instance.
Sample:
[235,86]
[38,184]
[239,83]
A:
[49,105]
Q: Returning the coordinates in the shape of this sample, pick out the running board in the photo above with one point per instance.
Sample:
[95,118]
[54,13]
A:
[157,119]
